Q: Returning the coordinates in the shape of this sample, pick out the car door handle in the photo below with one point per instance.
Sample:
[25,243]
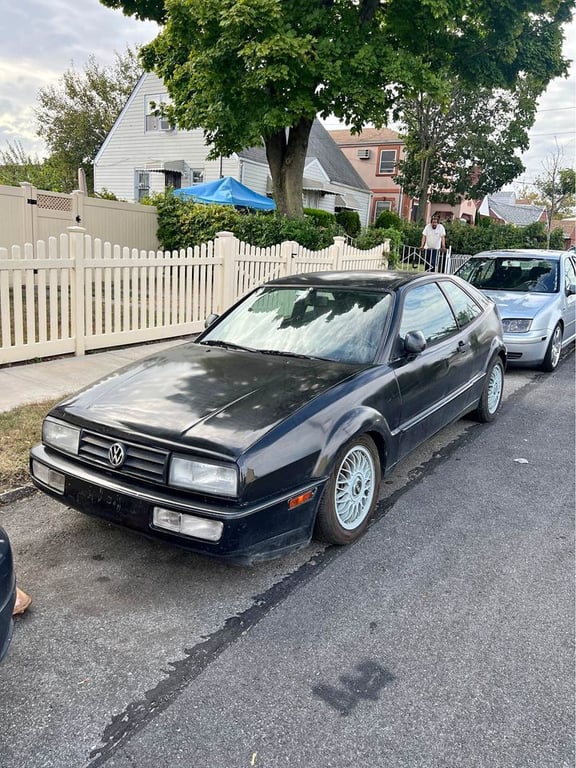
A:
[463,346]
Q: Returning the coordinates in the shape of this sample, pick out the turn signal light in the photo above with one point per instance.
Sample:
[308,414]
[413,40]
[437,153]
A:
[300,499]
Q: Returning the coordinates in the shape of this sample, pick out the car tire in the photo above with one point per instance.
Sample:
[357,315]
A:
[351,493]
[491,394]
[552,356]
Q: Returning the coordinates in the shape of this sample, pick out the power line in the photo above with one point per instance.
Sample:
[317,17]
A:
[554,109]
[554,133]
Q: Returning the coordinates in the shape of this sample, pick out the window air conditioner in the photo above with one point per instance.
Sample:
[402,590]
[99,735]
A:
[363,154]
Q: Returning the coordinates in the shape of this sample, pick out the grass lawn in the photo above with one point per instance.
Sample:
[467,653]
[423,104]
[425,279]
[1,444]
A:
[20,429]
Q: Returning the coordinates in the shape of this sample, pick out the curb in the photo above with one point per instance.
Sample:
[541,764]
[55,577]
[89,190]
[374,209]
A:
[16,494]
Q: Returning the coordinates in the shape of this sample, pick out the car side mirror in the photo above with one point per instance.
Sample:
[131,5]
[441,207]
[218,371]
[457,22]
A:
[570,290]
[212,317]
[414,342]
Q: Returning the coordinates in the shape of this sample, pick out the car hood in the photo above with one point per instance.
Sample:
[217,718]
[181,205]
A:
[212,398]
[513,304]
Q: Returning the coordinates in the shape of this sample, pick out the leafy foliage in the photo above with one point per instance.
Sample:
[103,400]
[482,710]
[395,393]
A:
[350,222]
[75,116]
[387,220]
[488,236]
[374,236]
[466,239]
[17,166]
[463,144]
[182,224]
[556,187]
[261,70]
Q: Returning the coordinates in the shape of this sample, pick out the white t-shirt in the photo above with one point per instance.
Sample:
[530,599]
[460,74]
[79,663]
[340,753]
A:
[433,236]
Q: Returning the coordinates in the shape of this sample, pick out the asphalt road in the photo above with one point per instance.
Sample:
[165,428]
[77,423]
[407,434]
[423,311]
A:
[443,638]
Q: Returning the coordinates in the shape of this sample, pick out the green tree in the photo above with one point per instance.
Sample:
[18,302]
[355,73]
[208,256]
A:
[556,188]
[464,145]
[17,166]
[259,71]
[75,116]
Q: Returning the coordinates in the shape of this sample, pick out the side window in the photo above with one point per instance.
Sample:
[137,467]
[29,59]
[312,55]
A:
[464,306]
[154,121]
[426,309]
[570,274]
[387,161]
[142,185]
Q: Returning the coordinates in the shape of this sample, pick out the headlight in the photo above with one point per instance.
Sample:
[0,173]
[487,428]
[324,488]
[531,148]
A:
[516,325]
[203,476]
[60,435]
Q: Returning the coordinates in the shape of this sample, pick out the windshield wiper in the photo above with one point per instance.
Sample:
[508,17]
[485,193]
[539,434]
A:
[227,345]
[288,354]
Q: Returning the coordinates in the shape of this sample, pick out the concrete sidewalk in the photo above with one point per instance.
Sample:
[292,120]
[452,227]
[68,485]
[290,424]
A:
[35,382]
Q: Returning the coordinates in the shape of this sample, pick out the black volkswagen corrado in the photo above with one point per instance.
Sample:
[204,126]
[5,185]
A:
[279,420]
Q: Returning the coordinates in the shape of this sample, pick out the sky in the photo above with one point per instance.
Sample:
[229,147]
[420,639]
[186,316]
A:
[41,39]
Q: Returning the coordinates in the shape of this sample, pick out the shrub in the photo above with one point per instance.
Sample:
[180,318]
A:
[490,235]
[182,223]
[350,222]
[372,237]
[388,220]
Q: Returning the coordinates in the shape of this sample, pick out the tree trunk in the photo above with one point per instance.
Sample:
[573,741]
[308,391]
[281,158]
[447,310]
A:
[286,154]
[423,188]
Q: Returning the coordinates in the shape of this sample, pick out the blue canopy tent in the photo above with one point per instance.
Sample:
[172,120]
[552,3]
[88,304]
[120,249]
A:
[226,191]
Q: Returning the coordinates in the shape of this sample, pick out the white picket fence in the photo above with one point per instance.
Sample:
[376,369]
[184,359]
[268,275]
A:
[76,293]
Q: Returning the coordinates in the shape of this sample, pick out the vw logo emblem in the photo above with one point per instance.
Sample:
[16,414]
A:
[117,454]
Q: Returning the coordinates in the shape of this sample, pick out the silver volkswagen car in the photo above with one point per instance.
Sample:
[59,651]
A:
[535,292]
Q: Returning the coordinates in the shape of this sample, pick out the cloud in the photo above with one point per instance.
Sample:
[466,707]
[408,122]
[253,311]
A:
[41,39]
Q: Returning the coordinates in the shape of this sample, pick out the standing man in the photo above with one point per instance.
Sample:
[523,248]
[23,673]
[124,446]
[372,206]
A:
[433,239]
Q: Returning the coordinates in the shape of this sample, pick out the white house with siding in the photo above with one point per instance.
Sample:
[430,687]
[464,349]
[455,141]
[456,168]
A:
[143,154]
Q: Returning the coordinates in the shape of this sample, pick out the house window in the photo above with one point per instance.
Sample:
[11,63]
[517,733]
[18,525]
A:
[197,176]
[154,122]
[387,161]
[381,205]
[142,185]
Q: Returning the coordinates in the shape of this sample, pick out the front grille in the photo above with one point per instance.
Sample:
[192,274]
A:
[140,461]
[514,355]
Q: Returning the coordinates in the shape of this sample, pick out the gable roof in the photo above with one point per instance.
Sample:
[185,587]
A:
[519,215]
[322,147]
[367,136]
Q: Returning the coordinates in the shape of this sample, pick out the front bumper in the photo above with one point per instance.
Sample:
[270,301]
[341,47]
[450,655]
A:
[526,348]
[251,533]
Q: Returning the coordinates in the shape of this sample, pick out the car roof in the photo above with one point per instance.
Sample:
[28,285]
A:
[367,279]
[532,253]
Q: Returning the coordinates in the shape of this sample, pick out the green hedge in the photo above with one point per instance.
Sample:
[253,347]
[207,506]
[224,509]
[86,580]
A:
[183,223]
[487,236]
[371,237]
[350,222]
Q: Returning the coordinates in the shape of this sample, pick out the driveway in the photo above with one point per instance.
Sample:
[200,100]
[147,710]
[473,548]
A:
[444,637]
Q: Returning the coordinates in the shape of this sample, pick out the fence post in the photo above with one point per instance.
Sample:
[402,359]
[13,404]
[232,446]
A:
[76,240]
[78,206]
[226,248]
[386,252]
[288,249]
[30,201]
[338,251]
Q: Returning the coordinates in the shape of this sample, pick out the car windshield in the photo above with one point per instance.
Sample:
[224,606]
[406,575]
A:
[345,325]
[504,273]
